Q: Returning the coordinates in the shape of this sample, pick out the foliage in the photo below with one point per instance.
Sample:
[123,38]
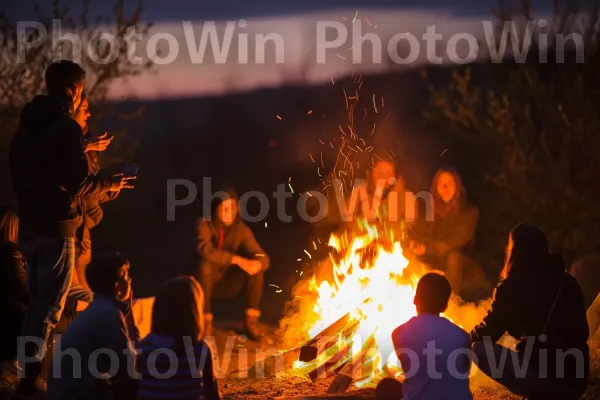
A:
[532,145]
[21,81]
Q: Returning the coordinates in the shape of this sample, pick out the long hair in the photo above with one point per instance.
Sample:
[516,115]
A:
[178,310]
[9,225]
[527,254]
[460,197]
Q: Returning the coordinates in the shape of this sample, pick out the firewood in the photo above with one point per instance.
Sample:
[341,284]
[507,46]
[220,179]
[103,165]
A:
[274,364]
[351,370]
[311,349]
[328,367]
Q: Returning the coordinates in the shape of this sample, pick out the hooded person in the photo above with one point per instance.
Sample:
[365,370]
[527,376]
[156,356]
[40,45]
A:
[446,241]
[227,258]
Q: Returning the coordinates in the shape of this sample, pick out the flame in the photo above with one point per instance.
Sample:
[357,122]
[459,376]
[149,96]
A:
[372,281]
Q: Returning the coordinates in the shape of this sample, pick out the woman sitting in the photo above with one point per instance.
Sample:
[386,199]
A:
[540,304]
[177,333]
[446,240]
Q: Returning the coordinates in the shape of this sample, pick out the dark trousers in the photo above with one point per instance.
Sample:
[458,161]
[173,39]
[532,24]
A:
[222,282]
[528,383]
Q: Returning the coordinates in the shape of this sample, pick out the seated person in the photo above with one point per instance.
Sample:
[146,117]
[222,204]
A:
[107,324]
[446,242]
[228,257]
[450,379]
[182,333]
[538,303]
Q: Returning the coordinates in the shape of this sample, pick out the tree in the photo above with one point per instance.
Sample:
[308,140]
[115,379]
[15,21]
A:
[21,81]
[530,138]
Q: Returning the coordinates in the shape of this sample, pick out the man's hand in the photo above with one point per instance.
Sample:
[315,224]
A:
[121,182]
[98,143]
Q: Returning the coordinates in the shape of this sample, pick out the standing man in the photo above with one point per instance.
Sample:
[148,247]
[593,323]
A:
[50,177]
[229,258]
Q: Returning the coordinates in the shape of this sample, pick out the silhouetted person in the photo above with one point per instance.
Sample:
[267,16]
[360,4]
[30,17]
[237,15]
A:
[228,258]
[91,209]
[451,343]
[106,324]
[13,284]
[446,242]
[177,327]
[538,303]
[50,178]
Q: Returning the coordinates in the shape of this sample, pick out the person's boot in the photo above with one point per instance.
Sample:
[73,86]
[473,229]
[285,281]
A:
[251,324]
[208,325]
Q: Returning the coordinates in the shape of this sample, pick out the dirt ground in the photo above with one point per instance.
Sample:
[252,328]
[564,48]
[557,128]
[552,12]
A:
[236,385]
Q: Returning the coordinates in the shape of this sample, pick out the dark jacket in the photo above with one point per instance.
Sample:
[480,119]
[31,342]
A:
[49,169]
[521,308]
[13,281]
[217,244]
[446,233]
[454,223]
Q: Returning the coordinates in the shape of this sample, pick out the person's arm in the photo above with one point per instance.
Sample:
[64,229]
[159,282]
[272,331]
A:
[460,235]
[211,386]
[205,247]
[255,252]
[73,168]
[14,264]
[496,322]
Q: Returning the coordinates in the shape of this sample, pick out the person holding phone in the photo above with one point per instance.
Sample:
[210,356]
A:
[228,257]
[91,209]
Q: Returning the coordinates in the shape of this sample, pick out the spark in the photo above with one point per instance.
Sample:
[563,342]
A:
[375,105]
[301,272]
[311,157]
[278,117]
[309,112]
[355,15]
[322,142]
[299,259]
[373,131]
[265,224]
[308,254]
[368,22]
[322,165]
[332,81]
[279,291]
[308,193]
[291,187]
[290,179]
[319,172]
[443,152]
[273,285]
[314,245]
[343,58]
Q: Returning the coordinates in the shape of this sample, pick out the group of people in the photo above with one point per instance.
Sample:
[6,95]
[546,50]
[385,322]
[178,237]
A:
[53,284]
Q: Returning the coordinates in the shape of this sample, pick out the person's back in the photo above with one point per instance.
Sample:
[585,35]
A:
[183,369]
[433,352]
[451,373]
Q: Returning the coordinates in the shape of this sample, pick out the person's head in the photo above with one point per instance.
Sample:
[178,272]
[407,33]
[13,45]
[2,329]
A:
[226,207]
[108,274]
[65,78]
[82,113]
[383,171]
[178,309]
[447,184]
[526,252]
[9,225]
[433,293]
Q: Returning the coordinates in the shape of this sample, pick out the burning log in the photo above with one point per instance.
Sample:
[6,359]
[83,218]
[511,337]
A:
[274,364]
[326,338]
[329,367]
[349,371]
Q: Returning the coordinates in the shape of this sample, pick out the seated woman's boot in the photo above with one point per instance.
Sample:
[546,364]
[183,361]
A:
[251,324]
[208,325]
